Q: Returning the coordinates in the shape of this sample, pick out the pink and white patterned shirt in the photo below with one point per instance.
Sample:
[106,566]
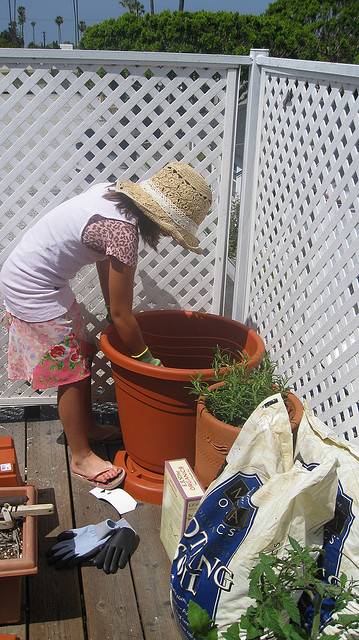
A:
[35,278]
[112,238]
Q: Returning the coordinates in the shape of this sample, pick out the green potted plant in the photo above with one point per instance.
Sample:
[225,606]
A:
[276,585]
[223,407]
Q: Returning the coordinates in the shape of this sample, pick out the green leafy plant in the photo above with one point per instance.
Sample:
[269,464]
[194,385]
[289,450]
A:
[242,390]
[276,585]
[203,628]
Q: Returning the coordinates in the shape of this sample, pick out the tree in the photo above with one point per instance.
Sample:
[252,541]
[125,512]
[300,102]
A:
[7,40]
[33,24]
[332,24]
[21,14]
[152,7]
[59,21]
[133,6]
[12,23]
[82,27]
[180,5]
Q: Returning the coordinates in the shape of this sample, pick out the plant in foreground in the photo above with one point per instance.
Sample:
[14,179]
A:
[243,388]
[276,586]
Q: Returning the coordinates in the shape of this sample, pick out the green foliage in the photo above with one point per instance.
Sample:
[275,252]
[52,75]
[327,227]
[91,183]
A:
[275,586]
[287,29]
[198,32]
[243,388]
[121,34]
[232,633]
[133,6]
[201,625]
[21,17]
[10,39]
[331,25]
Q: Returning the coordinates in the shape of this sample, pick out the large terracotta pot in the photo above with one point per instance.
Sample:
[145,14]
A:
[214,438]
[156,410]
[13,570]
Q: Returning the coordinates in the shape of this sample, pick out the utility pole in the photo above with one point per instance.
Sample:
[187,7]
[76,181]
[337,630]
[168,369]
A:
[44,38]
[75,5]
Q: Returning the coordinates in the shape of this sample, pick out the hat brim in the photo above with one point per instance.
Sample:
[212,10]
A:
[154,211]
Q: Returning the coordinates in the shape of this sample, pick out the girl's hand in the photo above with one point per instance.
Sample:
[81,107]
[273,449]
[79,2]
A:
[148,358]
[151,360]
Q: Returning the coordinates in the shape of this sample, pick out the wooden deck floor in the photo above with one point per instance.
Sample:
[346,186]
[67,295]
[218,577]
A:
[86,604]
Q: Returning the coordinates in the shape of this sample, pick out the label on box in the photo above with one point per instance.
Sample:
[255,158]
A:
[6,466]
[185,479]
[181,495]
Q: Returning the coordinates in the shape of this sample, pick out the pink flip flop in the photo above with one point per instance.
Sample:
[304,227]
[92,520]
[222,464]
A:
[111,484]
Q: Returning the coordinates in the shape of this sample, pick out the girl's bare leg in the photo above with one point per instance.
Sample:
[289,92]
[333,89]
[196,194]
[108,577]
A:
[74,407]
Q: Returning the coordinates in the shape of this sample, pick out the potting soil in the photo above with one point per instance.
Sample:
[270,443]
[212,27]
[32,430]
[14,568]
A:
[258,501]
[11,542]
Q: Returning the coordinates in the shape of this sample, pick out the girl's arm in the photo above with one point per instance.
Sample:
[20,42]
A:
[120,295]
[102,269]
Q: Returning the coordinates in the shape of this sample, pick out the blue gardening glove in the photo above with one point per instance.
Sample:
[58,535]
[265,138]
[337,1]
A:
[118,549]
[76,545]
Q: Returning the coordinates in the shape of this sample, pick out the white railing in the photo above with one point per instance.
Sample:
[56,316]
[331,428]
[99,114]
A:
[76,117]
[70,118]
[297,266]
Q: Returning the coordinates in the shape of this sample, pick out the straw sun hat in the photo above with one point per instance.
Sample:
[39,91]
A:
[177,198]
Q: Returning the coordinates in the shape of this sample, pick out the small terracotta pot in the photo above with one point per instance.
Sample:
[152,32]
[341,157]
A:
[156,410]
[13,570]
[9,468]
[214,438]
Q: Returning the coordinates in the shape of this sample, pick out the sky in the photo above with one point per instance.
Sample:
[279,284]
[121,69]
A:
[44,12]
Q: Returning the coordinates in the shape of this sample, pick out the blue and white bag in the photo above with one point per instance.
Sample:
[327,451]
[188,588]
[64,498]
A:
[317,443]
[259,499]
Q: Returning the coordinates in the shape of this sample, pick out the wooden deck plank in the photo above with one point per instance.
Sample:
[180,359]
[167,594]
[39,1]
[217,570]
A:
[110,600]
[151,575]
[17,430]
[54,595]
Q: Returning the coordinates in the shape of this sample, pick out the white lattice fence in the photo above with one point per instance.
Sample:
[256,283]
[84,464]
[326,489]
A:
[302,285]
[74,118]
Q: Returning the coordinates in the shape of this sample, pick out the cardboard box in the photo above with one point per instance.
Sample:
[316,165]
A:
[181,495]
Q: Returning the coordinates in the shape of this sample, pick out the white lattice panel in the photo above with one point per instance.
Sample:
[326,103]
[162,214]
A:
[65,126]
[304,276]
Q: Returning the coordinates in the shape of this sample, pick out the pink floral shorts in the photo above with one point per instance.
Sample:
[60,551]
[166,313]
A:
[49,354]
